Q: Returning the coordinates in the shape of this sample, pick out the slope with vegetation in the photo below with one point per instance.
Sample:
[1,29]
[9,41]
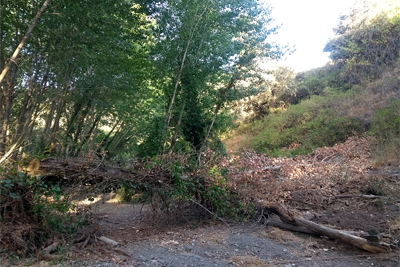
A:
[356,93]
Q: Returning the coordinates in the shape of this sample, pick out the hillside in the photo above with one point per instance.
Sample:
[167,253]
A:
[332,116]
[356,94]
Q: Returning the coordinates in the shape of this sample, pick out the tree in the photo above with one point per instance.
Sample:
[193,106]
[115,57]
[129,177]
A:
[73,72]
[204,49]
[367,41]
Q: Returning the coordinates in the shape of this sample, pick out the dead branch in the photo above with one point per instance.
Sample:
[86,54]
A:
[219,218]
[291,227]
[266,168]
[45,254]
[358,196]
[109,241]
[342,236]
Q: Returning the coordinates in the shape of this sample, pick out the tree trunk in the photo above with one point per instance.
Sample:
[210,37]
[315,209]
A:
[23,41]
[359,242]
[3,10]
[89,133]
[8,97]
[173,141]
[178,79]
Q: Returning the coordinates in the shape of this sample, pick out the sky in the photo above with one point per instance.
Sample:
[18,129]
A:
[307,24]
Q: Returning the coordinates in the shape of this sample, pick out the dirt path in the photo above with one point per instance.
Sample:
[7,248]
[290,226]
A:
[209,245]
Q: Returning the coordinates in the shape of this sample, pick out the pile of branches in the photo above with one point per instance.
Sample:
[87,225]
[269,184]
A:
[19,226]
[313,181]
[168,182]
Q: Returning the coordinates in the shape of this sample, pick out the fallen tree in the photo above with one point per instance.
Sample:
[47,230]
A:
[294,222]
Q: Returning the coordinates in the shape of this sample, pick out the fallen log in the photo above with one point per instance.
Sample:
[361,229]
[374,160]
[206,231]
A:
[356,241]
[359,242]
[108,241]
[116,246]
[358,196]
[45,254]
[302,229]
[123,252]
[291,227]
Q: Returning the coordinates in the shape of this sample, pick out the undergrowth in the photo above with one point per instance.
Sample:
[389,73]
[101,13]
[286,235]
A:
[33,211]
[385,127]
[311,124]
[179,188]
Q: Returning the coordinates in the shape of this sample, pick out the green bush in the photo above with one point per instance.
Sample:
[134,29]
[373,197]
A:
[385,128]
[385,125]
[313,123]
[207,193]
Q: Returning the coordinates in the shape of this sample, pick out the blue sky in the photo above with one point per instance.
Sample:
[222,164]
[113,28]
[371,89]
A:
[307,25]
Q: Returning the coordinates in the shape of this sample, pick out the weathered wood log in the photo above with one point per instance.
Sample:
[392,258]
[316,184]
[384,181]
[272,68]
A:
[292,227]
[342,236]
[356,241]
[108,241]
[123,252]
[116,246]
[45,254]
[358,196]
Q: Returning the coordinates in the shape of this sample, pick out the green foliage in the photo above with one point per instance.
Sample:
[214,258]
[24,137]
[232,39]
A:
[377,187]
[208,193]
[153,143]
[25,200]
[385,127]
[312,123]
[365,46]
[53,207]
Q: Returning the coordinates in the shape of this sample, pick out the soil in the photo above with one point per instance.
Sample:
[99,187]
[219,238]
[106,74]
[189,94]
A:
[218,244]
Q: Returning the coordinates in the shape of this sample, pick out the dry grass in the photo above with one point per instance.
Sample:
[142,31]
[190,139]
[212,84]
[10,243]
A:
[236,143]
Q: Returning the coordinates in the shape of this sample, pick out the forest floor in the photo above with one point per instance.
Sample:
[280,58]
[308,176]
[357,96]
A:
[216,244]
[336,187]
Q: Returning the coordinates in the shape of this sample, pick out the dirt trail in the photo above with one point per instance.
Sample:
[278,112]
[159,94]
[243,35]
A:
[209,244]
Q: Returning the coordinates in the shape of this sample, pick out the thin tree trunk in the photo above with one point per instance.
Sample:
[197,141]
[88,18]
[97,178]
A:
[207,135]
[3,10]
[92,128]
[49,118]
[122,136]
[105,141]
[81,120]
[109,141]
[8,98]
[173,141]
[23,41]
[26,109]
[178,79]
[222,95]
[61,103]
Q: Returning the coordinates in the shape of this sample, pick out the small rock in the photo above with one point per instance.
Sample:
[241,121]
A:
[189,248]
[142,258]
